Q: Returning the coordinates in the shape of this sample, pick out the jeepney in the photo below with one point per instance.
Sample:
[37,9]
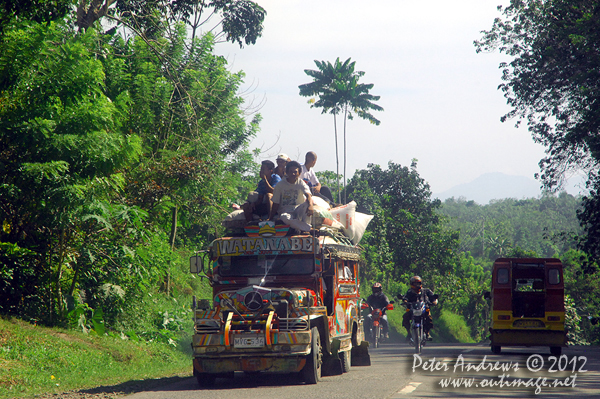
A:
[528,304]
[281,304]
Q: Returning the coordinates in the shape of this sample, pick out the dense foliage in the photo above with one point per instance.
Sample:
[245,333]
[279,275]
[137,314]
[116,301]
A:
[119,154]
[546,226]
[553,83]
[408,235]
[122,149]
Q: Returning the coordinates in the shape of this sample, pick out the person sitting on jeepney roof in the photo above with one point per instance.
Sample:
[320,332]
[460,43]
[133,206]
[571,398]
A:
[282,160]
[292,199]
[378,300]
[415,291]
[263,203]
[310,178]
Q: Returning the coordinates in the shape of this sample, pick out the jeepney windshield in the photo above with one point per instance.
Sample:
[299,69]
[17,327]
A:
[265,265]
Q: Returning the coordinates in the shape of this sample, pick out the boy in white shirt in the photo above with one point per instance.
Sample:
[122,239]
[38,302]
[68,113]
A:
[310,178]
[292,199]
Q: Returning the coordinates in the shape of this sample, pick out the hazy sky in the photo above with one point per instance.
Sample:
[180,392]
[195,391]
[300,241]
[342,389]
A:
[441,101]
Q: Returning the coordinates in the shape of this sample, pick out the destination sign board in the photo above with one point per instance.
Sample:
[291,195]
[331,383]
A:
[248,246]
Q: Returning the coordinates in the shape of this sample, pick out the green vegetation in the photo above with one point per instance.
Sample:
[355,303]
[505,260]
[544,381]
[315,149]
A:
[550,82]
[124,141]
[36,359]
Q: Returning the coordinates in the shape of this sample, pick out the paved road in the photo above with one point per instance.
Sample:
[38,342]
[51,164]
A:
[391,376]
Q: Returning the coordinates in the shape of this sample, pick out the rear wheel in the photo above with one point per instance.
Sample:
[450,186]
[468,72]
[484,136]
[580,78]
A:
[496,349]
[312,370]
[555,350]
[346,358]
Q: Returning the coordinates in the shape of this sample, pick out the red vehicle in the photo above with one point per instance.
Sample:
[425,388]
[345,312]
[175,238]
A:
[528,304]
[374,330]
[282,304]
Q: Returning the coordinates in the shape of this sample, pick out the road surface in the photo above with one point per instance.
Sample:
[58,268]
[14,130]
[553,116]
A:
[441,371]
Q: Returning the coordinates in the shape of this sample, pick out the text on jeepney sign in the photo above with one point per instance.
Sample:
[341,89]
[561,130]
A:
[264,245]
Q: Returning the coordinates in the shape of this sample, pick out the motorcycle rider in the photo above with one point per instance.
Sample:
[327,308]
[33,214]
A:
[378,300]
[415,291]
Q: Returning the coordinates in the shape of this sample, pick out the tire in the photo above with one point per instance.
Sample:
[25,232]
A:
[496,349]
[377,333]
[417,339]
[311,372]
[205,380]
[346,358]
[555,350]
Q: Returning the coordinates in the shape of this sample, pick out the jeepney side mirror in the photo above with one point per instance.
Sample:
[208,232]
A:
[487,295]
[204,304]
[196,264]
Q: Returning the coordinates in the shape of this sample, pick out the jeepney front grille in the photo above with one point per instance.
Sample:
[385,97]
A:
[249,322]
[209,327]
[282,324]
[293,324]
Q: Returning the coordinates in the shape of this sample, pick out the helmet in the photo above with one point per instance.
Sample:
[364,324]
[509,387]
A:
[416,281]
[376,288]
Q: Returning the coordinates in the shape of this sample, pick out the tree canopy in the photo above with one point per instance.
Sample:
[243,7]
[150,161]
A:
[109,143]
[338,91]
[553,83]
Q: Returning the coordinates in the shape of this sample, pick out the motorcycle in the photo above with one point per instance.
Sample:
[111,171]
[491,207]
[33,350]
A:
[419,311]
[374,329]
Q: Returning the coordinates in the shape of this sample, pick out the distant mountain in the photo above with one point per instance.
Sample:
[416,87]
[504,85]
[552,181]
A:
[493,186]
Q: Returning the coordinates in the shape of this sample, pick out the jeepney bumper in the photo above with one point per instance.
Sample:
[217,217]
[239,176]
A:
[218,365]
[285,352]
[528,338]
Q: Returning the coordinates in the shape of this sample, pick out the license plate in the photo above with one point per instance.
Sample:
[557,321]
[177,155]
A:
[249,342]
[529,324]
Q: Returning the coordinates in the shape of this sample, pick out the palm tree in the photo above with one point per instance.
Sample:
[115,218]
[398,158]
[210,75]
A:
[337,88]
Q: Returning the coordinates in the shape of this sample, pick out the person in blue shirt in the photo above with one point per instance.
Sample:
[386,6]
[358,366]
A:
[263,203]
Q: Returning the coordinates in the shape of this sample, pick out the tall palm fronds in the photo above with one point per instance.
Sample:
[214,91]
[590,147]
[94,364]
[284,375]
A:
[338,91]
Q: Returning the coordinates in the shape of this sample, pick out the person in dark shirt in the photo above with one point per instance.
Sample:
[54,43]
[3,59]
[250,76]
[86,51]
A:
[415,292]
[263,203]
[378,300]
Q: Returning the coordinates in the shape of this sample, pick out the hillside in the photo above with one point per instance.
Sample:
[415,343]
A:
[491,186]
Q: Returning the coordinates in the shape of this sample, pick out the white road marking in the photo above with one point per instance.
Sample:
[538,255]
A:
[409,388]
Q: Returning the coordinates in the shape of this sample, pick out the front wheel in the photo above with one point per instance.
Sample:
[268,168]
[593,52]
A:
[555,350]
[377,334]
[346,358]
[418,336]
[312,369]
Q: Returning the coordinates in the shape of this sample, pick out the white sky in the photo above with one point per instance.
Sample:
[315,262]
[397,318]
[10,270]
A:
[440,98]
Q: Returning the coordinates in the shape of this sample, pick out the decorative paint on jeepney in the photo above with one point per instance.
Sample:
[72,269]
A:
[341,326]
[207,314]
[208,339]
[251,246]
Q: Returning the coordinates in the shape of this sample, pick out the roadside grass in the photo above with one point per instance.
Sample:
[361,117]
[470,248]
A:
[38,360]
[448,327]
[453,328]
